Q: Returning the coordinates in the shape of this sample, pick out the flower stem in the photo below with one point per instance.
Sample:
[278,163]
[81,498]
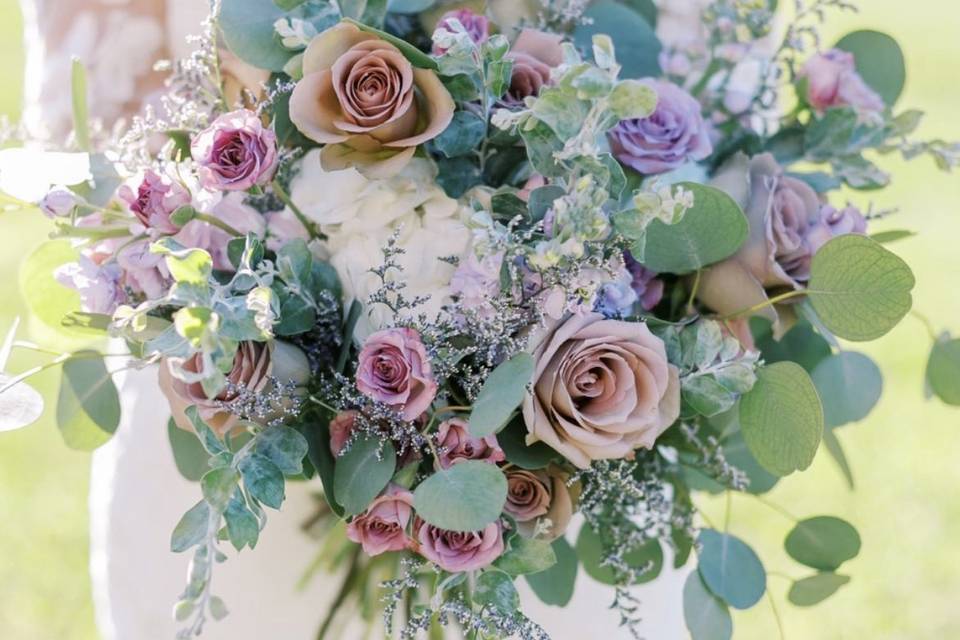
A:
[766,303]
[220,224]
[308,224]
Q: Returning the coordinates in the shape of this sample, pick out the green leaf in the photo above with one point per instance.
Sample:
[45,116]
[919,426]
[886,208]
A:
[590,551]
[849,385]
[859,289]
[191,529]
[188,454]
[189,266]
[243,529]
[541,199]
[781,418]
[706,616]
[416,57]
[284,446]
[318,437]
[731,569]
[824,542]
[711,230]
[525,556]
[500,395]
[466,497]
[879,62]
[632,99]
[513,442]
[464,134]
[564,114]
[707,396]
[78,91]
[88,407]
[20,405]
[47,299]
[886,237]
[409,6]
[737,453]
[247,27]
[801,344]
[637,46]
[815,589]
[943,370]
[205,434]
[835,449]
[554,586]
[495,589]
[218,486]
[262,479]
[362,472]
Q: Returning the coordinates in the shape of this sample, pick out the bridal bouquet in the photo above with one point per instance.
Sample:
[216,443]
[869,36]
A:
[474,268]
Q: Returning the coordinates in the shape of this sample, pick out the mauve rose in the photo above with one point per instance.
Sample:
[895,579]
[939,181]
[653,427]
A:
[253,366]
[457,551]
[383,526]
[477,26]
[393,368]
[833,81]
[534,55]
[456,445]
[363,99]
[152,197]
[341,427]
[601,388]
[236,152]
[645,283]
[671,136]
[536,496]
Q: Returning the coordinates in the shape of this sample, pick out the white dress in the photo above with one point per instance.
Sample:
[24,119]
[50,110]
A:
[137,494]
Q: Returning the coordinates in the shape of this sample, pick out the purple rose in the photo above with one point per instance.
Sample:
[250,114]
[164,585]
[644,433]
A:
[457,445]
[833,81]
[236,152]
[152,198]
[393,368]
[59,203]
[477,26]
[645,283]
[457,551]
[99,285]
[383,526]
[672,135]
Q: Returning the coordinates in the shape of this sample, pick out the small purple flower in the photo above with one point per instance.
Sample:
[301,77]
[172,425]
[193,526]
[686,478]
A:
[618,296]
[645,283]
[59,203]
[98,285]
[236,152]
[477,280]
[152,198]
[672,135]
[477,26]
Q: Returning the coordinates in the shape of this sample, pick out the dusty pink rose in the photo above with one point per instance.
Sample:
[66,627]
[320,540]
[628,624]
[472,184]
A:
[833,81]
[363,99]
[535,497]
[456,444]
[457,551]
[393,368]
[253,365]
[534,55]
[236,152]
[341,427]
[601,388]
[383,526]
[152,197]
[477,26]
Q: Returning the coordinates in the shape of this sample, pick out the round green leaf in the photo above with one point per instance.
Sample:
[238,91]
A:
[859,289]
[943,370]
[879,62]
[20,405]
[495,589]
[49,300]
[801,344]
[590,550]
[188,453]
[707,616]
[637,46]
[513,442]
[466,497]
[781,418]
[824,542]
[815,589]
[409,6]
[555,585]
[731,569]
[526,556]
[849,385]
[501,394]
[362,472]
[711,230]
[88,407]
[737,453]
[247,27]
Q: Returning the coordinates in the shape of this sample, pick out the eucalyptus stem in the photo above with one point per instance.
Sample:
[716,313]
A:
[776,614]
[217,222]
[926,323]
[693,291]
[766,303]
[308,224]
[772,505]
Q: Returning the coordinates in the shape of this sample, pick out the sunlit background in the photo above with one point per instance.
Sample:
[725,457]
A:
[905,456]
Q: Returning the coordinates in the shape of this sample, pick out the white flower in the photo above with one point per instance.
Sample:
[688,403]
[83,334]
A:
[359,215]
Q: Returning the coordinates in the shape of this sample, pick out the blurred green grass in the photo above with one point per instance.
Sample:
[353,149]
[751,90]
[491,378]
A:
[907,577]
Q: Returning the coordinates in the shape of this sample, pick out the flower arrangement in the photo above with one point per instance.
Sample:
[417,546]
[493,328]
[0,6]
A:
[477,267]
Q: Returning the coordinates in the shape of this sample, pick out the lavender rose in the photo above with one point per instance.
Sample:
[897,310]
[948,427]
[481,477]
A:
[833,81]
[534,55]
[152,198]
[477,26]
[456,445]
[457,551]
[383,526]
[253,366]
[236,152]
[601,388]
[671,136]
[363,99]
[394,369]
[536,497]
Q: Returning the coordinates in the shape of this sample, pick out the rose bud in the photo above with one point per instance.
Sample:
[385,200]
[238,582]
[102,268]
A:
[833,81]
[236,152]
[60,202]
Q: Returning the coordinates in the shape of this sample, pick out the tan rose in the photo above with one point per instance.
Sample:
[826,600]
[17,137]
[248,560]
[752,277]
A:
[253,366]
[535,497]
[601,388]
[363,99]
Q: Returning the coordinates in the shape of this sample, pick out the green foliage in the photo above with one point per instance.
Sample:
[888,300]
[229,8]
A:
[243,528]
[859,289]
[463,135]
[495,589]
[247,28]
[188,453]
[48,300]
[262,479]
[513,442]
[731,569]
[526,556]
[737,453]
[648,556]
[879,61]
[88,407]
[849,385]
[555,585]
[416,57]
[718,371]
[409,6]
[283,446]
[501,393]
[781,418]
[466,497]
[823,542]
[943,370]
[815,589]
[801,344]
[706,616]
[191,529]
[713,229]
[637,45]
[362,472]
[317,432]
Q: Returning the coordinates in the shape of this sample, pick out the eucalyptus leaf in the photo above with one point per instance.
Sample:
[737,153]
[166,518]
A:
[462,136]
[243,529]
[501,393]
[706,616]
[513,442]
[526,556]
[879,61]
[835,449]
[731,569]
[188,453]
[317,433]
[192,528]
[47,299]
[409,6]
[943,370]
[647,558]
[637,46]
[88,406]
[218,486]
[555,585]
[262,479]
[247,27]
[20,405]
[362,473]
[849,385]
[495,589]
[466,497]
[823,542]
[815,589]
[284,446]
[886,237]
